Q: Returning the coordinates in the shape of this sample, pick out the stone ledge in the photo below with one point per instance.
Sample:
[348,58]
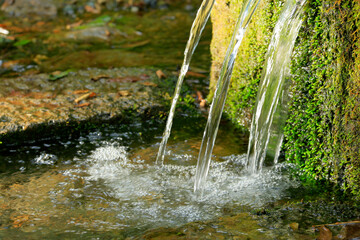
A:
[35,104]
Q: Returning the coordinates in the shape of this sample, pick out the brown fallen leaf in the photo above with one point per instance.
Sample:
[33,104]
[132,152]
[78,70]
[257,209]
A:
[350,229]
[16,29]
[195,74]
[81,91]
[83,105]
[294,226]
[160,74]
[150,84]
[199,95]
[10,64]
[130,78]
[95,10]
[203,103]
[97,78]
[73,25]
[19,220]
[85,96]
[40,23]
[325,233]
[124,93]
[137,44]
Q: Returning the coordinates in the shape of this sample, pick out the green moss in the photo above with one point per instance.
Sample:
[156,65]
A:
[316,133]
[251,57]
[322,135]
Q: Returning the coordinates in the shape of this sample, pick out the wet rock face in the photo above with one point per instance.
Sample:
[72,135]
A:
[34,100]
[26,7]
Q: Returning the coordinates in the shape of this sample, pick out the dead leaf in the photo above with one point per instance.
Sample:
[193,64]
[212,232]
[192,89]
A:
[85,96]
[81,91]
[150,84]
[74,25]
[130,78]
[16,29]
[12,63]
[294,226]
[4,206]
[160,74]
[91,9]
[199,95]
[41,23]
[203,103]
[195,74]
[97,78]
[86,104]
[137,44]
[19,220]
[124,93]
[325,233]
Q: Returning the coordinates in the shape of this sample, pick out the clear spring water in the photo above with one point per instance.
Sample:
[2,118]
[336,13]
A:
[198,26]
[270,111]
[94,185]
[222,87]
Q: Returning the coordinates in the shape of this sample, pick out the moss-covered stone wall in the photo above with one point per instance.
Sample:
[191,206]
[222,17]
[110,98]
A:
[322,134]
[251,56]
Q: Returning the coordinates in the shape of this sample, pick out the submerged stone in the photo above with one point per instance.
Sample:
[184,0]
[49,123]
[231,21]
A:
[20,8]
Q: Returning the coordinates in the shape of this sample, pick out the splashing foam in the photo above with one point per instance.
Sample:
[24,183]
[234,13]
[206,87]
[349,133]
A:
[149,195]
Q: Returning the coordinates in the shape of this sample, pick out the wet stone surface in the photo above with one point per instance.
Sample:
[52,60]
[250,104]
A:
[33,100]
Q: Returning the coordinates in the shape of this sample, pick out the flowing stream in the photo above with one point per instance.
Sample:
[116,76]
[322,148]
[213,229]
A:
[270,112]
[104,184]
[217,105]
[199,23]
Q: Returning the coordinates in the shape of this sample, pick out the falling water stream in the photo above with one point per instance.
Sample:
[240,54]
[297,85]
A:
[217,105]
[270,91]
[102,183]
[270,112]
[199,23]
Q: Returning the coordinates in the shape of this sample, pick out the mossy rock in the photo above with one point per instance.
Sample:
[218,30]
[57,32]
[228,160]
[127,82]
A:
[322,134]
[251,56]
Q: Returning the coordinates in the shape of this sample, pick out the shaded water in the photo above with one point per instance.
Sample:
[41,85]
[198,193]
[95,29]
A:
[112,39]
[222,87]
[198,26]
[266,133]
[105,183]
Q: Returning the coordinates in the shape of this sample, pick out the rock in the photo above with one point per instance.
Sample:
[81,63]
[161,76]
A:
[20,8]
[30,101]
[150,3]
[102,33]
